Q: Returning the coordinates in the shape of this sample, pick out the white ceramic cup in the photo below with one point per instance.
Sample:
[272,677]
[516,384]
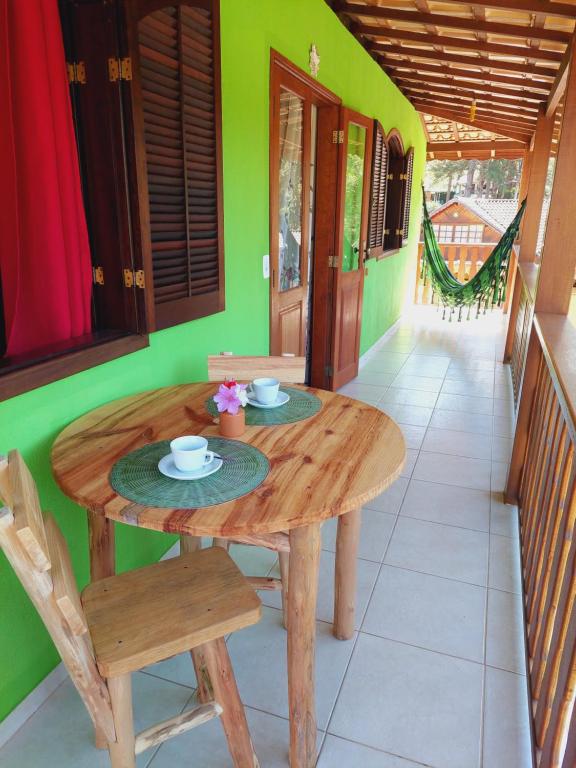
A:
[190,452]
[265,390]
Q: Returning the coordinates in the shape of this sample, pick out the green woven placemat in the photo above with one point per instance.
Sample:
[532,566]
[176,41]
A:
[137,477]
[301,406]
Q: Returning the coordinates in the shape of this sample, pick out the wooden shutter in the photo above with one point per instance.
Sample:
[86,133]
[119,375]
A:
[179,84]
[407,194]
[394,192]
[378,193]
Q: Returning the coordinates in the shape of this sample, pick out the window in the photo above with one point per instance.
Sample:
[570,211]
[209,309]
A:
[458,233]
[395,193]
[146,114]
[378,188]
[407,194]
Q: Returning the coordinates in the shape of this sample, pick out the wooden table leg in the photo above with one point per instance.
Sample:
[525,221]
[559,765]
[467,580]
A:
[190,544]
[102,548]
[302,594]
[345,576]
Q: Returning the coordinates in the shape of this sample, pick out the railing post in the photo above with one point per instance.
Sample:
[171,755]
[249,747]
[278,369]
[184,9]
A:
[558,262]
[524,410]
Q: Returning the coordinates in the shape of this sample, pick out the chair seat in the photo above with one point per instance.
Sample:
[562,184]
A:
[147,615]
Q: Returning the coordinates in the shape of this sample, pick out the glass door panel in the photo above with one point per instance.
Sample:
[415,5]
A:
[290,191]
[353,197]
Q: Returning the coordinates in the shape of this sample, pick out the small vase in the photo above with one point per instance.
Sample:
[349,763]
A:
[232,425]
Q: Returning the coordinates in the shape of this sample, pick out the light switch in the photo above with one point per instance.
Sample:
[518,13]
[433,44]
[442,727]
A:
[266,266]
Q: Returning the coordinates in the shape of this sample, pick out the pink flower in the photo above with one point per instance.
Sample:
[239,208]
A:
[230,398]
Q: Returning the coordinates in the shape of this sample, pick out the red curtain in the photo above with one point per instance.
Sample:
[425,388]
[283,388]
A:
[44,253]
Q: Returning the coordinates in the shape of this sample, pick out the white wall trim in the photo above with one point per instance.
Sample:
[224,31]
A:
[376,346]
[16,719]
[36,698]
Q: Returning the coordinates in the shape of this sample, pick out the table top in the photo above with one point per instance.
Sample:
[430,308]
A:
[324,466]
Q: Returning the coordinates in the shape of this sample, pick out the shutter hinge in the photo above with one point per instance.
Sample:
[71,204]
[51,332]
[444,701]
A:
[119,69]
[134,278]
[328,370]
[98,275]
[333,261]
[76,72]
[337,137]
[390,177]
[403,177]
[386,231]
[399,231]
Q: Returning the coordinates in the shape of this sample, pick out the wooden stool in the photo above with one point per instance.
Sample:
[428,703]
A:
[123,623]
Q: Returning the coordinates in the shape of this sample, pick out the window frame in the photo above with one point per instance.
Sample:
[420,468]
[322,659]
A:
[394,202]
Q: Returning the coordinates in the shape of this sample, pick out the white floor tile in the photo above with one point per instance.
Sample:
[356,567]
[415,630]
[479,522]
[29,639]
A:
[431,366]
[447,504]
[442,550]
[453,470]
[503,517]
[410,463]
[423,383]
[505,564]
[499,476]
[501,448]
[410,397]
[506,730]
[407,414]
[391,500]
[258,655]
[374,535]
[385,362]
[464,422]
[422,705]
[413,436]
[367,572]
[464,404]
[505,632]
[340,753]
[472,388]
[428,611]
[374,378]
[364,392]
[457,443]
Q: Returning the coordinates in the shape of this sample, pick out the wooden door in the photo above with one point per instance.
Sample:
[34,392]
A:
[299,105]
[353,203]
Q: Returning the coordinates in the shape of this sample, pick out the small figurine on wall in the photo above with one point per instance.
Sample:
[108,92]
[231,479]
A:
[314,61]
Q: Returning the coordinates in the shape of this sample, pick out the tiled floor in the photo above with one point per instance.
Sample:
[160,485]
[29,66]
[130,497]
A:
[435,673]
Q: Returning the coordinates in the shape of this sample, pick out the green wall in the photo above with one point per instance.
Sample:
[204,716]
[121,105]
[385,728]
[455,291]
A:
[32,421]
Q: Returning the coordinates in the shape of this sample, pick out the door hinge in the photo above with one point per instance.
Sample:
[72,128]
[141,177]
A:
[337,137]
[328,370]
[76,72]
[119,69]
[333,261]
[134,278]
[98,275]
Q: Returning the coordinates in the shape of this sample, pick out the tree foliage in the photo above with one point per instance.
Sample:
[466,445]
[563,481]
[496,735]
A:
[482,178]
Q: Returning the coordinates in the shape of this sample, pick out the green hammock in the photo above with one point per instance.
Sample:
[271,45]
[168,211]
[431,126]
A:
[486,288]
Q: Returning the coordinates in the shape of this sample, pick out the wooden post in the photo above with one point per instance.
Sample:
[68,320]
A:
[302,594]
[122,752]
[556,275]
[347,541]
[536,185]
[102,547]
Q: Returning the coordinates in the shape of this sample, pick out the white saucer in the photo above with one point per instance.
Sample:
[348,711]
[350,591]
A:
[168,468]
[282,399]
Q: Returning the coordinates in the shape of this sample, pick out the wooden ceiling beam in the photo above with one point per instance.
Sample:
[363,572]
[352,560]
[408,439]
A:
[563,10]
[525,98]
[513,121]
[477,46]
[405,68]
[437,85]
[452,99]
[559,84]
[408,52]
[482,154]
[460,116]
[475,146]
[454,22]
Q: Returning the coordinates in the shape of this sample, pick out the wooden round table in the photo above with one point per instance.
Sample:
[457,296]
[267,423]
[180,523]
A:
[326,466]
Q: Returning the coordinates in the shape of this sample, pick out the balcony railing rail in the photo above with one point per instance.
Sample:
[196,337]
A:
[543,482]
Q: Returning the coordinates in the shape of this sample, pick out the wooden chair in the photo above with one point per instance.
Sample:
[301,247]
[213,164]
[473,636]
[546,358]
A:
[286,368]
[126,622]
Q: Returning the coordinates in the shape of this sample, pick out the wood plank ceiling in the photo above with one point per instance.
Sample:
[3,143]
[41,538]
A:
[507,57]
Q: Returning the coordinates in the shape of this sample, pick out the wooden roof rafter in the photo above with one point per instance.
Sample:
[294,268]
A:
[505,57]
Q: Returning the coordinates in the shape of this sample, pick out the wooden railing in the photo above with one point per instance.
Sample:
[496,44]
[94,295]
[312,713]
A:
[463,260]
[543,482]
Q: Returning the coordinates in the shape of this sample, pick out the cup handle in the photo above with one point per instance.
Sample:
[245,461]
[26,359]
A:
[209,457]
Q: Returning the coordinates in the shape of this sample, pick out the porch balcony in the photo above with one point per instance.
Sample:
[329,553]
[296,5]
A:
[435,673]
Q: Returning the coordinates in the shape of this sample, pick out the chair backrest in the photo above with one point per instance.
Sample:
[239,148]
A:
[286,368]
[37,551]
